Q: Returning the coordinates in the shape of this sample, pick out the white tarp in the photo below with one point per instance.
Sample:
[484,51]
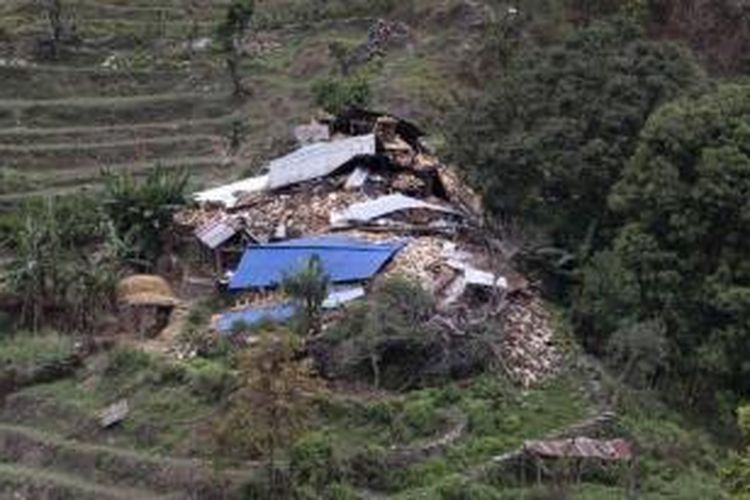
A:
[337,298]
[357,179]
[226,194]
[474,276]
[318,160]
[469,275]
[380,207]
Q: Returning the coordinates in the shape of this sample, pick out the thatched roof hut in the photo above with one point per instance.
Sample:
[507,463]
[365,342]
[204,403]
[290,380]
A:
[145,290]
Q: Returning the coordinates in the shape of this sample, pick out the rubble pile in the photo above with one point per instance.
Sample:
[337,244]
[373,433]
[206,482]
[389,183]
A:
[382,34]
[305,211]
[422,260]
[359,182]
[528,346]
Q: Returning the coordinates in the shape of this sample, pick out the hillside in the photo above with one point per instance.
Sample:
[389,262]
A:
[499,346]
[131,95]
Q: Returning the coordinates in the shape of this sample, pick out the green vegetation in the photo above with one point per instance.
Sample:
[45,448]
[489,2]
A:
[231,33]
[336,95]
[183,395]
[308,288]
[679,255]
[24,352]
[141,212]
[549,138]
[49,272]
[610,155]
[269,409]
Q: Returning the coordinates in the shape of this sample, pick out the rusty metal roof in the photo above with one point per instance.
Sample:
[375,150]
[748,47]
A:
[581,447]
[217,231]
[318,160]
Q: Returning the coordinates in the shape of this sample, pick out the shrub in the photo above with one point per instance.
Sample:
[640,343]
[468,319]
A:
[141,212]
[368,468]
[460,488]
[336,95]
[390,341]
[126,361]
[210,380]
[313,463]
[25,351]
[338,491]
[418,419]
[167,373]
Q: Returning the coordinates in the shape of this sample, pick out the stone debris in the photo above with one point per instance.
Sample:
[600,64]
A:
[402,191]
[421,260]
[113,414]
[528,341]
[304,212]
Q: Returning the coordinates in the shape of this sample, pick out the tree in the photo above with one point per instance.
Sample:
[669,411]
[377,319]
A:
[32,271]
[685,210]
[386,339]
[60,273]
[309,288]
[270,409]
[142,212]
[231,32]
[549,138]
[61,29]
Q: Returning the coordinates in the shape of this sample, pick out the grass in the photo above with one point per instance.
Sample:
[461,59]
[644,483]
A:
[40,158]
[74,116]
[167,409]
[39,483]
[26,351]
[12,181]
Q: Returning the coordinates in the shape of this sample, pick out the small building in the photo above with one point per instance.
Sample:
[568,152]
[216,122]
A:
[145,303]
[223,240]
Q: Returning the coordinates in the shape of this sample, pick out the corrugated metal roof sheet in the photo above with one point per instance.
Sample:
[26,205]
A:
[581,447]
[226,194]
[217,231]
[380,207]
[474,276]
[318,160]
[253,316]
[282,312]
[341,296]
[343,259]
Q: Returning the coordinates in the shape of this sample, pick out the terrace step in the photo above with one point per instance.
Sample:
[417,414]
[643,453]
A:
[17,481]
[109,470]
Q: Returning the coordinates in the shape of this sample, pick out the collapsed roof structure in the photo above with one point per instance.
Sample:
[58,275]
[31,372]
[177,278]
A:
[581,447]
[343,260]
[365,195]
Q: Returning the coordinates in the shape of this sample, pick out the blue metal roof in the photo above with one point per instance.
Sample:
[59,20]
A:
[253,316]
[343,259]
[282,312]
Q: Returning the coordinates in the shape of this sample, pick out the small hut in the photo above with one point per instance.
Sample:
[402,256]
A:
[145,303]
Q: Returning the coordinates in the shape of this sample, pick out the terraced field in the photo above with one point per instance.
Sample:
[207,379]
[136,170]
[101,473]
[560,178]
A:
[132,95]
[63,121]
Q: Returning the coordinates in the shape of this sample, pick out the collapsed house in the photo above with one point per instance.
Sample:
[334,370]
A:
[365,195]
